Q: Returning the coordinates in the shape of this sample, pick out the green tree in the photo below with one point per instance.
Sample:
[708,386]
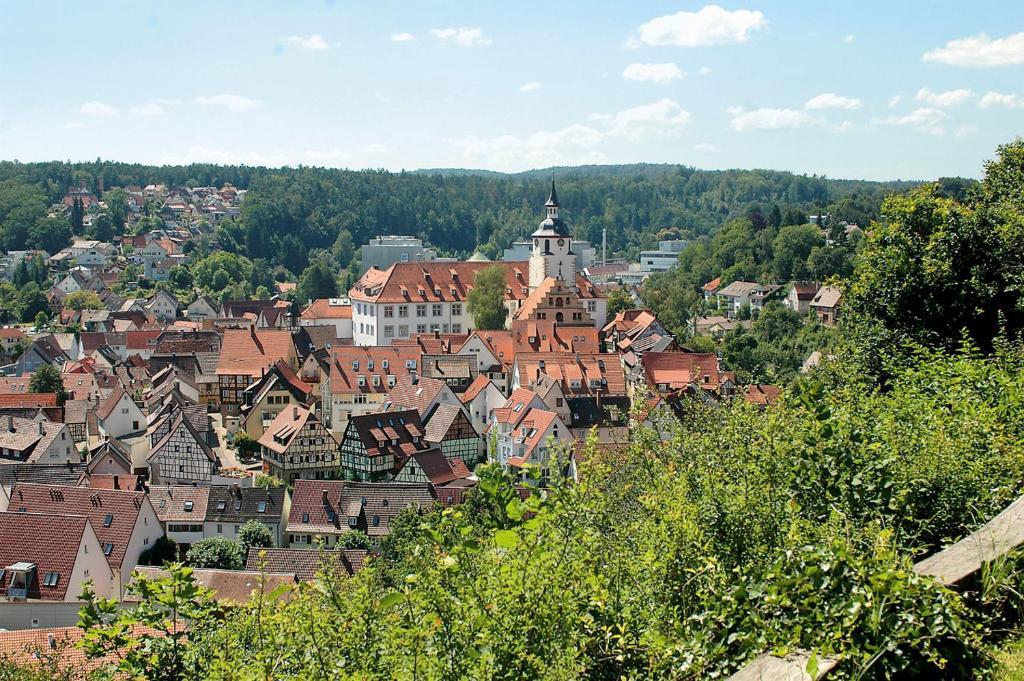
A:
[791,248]
[355,539]
[487,299]
[317,281]
[215,552]
[152,639]
[83,300]
[50,234]
[48,379]
[116,201]
[102,227]
[618,300]
[254,533]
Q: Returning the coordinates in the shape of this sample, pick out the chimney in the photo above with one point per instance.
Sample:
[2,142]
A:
[295,412]
[42,430]
[323,496]
[10,423]
[51,640]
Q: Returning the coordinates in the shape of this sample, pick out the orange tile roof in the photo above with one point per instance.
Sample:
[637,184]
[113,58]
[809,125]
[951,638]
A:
[575,372]
[250,351]
[428,282]
[550,336]
[321,308]
[349,363]
[498,342]
[479,384]
[762,394]
[677,370]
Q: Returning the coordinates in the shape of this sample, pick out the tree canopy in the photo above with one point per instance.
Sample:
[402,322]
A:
[487,299]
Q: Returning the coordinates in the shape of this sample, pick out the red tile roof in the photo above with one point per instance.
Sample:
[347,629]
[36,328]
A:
[28,401]
[762,394]
[49,540]
[675,370]
[579,374]
[250,351]
[428,282]
[479,384]
[327,308]
[232,587]
[349,363]
[95,504]
[418,395]
[305,563]
[546,335]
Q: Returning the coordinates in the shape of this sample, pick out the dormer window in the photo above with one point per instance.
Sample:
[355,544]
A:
[369,365]
[108,548]
[108,520]
[355,365]
[383,364]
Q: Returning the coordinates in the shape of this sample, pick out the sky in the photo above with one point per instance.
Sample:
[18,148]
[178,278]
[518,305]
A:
[874,90]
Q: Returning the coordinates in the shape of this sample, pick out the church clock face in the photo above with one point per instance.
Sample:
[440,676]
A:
[561,242]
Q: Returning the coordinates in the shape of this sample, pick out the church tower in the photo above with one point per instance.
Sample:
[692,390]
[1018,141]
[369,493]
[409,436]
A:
[552,254]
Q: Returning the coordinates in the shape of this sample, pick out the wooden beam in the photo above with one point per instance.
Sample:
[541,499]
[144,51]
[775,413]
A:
[793,667]
[993,540]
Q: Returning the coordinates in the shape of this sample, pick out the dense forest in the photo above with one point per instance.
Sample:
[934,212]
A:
[704,542]
[291,216]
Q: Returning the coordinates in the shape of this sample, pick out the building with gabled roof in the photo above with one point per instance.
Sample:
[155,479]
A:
[421,394]
[124,521]
[697,373]
[360,379]
[335,312]
[449,428]
[432,466]
[231,506]
[579,374]
[306,564]
[119,416]
[296,444]
[480,399]
[53,570]
[245,355]
[324,510]
[182,511]
[34,441]
[182,456]
[826,304]
[279,388]
[375,446]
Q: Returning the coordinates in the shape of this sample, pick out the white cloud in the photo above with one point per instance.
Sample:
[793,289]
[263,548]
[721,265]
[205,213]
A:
[769,119]
[529,87]
[943,99]
[704,71]
[74,125]
[229,101]
[97,109]
[980,51]
[845,126]
[402,37]
[830,100]
[148,109]
[705,146]
[313,42]
[894,100]
[711,25]
[463,37]
[849,38]
[998,99]
[923,120]
[965,130]
[662,117]
[653,73]
[574,144]
[734,110]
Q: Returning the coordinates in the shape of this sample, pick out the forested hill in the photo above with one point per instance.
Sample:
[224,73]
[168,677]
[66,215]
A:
[291,212]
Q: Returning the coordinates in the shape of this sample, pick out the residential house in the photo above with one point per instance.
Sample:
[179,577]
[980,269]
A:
[799,297]
[162,305]
[421,394]
[435,468]
[11,341]
[35,441]
[694,373]
[324,510]
[43,350]
[296,444]
[110,457]
[46,573]
[245,356]
[336,312]
[182,456]
[745,294]
[360,379]
[526,433]
[231,506]
[277,389]
[375,446]
[182,511]
[203,307]
[826,304]
[449,428]
[480,399]
[119,416]
[125,522]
